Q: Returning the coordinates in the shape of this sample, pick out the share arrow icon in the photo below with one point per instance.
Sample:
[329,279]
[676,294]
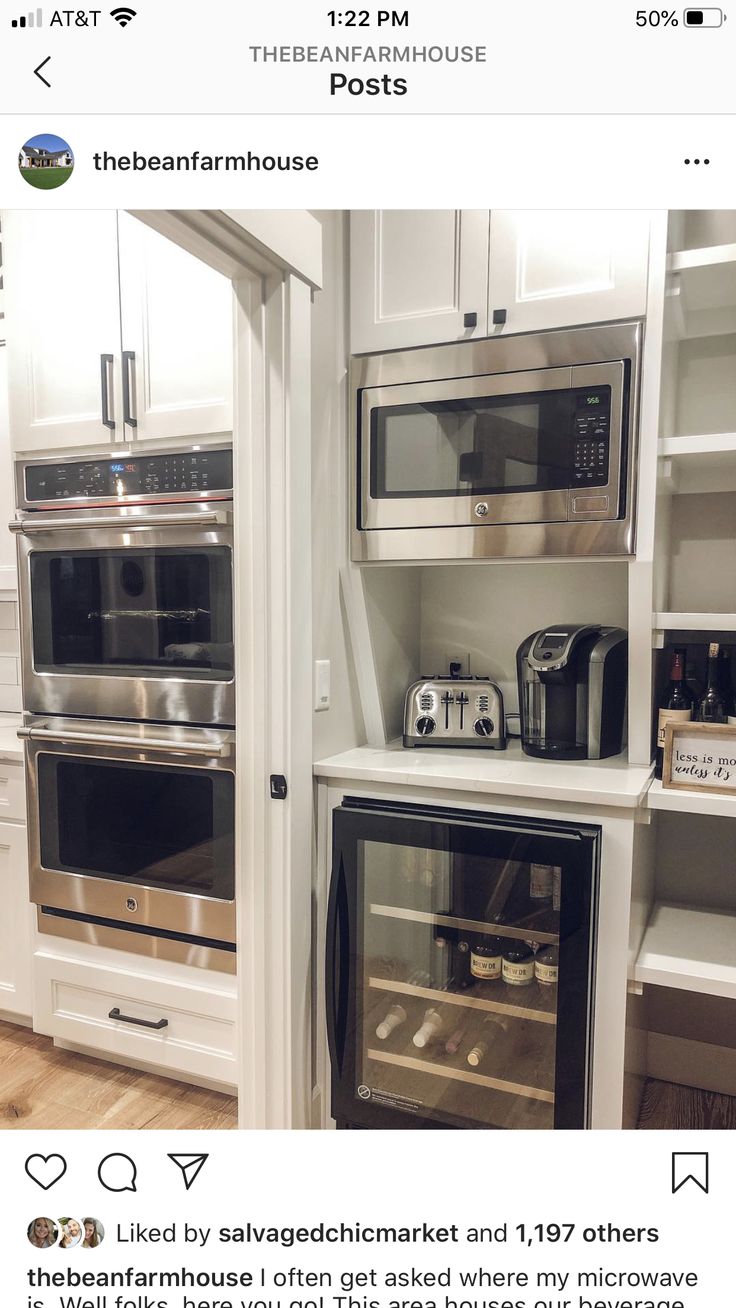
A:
[190,1166]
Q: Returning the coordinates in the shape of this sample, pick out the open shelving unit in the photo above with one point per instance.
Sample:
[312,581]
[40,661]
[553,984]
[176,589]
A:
[686,954]
[688,948]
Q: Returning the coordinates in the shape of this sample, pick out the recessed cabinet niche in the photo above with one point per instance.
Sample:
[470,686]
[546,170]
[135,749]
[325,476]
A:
[114,333]
[423,277]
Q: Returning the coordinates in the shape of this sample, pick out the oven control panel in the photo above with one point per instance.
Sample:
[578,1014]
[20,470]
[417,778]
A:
[199,472]
[591,434]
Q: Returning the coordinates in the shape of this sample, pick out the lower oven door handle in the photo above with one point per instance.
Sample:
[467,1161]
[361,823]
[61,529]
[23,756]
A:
[117,1016]
[205,749]
[30,526]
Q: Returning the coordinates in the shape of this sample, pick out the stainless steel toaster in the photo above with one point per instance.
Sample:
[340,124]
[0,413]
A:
[465,713]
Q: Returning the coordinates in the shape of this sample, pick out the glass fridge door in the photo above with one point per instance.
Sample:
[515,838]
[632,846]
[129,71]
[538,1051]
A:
[460,958]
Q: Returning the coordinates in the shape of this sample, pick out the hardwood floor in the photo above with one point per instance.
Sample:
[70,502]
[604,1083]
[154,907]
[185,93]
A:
[667,1107]
[46,1088]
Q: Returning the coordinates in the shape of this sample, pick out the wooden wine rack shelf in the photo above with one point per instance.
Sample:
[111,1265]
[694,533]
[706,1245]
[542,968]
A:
[463,1000]
[528,932]
[458,1074]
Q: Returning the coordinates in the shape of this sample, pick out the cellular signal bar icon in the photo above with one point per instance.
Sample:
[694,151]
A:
[32,20]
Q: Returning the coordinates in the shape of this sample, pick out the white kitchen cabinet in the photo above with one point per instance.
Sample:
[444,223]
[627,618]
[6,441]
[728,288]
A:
[563,268]
[177,326]
[415,274]
[109,321]
[15,919]
[62,316]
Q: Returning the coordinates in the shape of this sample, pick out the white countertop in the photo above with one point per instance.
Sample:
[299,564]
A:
[10,746]
[608,782]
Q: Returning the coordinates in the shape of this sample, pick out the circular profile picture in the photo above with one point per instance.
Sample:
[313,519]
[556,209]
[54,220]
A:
[93,1233]
[46,162]
[72,1232]
[43,1232]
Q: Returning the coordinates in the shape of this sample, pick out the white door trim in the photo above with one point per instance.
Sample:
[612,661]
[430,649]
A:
[273,679]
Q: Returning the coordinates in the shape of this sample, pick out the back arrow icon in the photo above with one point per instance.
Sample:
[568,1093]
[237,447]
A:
[38,73]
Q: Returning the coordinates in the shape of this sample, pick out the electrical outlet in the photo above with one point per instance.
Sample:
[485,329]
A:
[462,659]
[321,685]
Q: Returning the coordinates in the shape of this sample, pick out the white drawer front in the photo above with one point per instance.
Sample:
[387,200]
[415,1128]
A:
[12,792]
[73,1002]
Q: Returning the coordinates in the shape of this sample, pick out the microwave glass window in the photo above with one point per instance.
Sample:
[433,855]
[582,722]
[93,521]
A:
[126,611]
[164,827]
[490,445]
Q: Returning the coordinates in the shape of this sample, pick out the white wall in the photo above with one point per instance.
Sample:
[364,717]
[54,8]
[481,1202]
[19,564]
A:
[10,700]
[341,726]
[486,611]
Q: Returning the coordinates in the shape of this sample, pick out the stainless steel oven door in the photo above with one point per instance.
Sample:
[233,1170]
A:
[482,450]
[133,824]
[127,613]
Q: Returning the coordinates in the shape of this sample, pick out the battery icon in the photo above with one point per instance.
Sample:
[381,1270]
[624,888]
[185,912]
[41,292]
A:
[703,17]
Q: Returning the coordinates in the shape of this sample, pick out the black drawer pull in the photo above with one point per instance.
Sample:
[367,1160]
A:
[138,1021]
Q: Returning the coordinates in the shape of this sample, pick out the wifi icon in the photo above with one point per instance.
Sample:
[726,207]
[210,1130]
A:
[122,15]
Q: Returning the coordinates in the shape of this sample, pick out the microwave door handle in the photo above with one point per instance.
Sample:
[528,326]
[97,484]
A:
[204,749]
[30,527]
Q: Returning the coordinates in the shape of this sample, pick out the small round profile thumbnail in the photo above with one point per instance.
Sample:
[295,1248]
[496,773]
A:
[46,161]
[43,1232]
[72,1232]
[94,1233]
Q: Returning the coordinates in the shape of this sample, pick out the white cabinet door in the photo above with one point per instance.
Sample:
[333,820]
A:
[62,317]
[561,268]
[177,322]
[415,274]
[15,922]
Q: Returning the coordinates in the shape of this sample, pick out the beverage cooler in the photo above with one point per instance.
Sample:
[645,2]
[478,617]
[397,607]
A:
[460,965]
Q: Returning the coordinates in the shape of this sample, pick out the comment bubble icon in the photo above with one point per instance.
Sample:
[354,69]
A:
[117,1172]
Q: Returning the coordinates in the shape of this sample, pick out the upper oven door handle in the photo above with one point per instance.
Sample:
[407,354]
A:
[211,517]
[206,749]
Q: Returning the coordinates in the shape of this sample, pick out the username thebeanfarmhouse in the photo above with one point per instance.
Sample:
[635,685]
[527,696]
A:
[138,162]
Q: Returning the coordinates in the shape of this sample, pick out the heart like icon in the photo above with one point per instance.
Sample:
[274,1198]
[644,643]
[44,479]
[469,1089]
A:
[45,1170]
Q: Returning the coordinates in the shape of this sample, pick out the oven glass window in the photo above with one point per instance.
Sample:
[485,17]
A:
[491,445]
[166,827]
[136,610]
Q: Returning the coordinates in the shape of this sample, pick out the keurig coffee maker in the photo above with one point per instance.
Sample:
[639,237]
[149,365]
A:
[572,691]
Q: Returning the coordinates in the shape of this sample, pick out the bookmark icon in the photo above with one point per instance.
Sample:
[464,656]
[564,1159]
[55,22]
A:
[190,1165]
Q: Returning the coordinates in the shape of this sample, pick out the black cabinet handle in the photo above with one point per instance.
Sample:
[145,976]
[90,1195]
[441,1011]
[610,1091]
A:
[470,320]
[138,1021]
[499,317]
[128,368]
[337,968]
[106,361]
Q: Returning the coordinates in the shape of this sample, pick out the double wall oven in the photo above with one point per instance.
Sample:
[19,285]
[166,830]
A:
[125,566]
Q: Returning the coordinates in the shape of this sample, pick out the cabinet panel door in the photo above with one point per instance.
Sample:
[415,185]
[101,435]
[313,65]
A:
[15,922]
[560,268]
[62,315]
[414,274]
[177,319]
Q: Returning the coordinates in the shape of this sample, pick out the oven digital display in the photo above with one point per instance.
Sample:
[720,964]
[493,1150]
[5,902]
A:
[160,474]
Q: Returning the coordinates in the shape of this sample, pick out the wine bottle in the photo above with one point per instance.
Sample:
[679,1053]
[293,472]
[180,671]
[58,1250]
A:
[456,1037]
[394,1017]
[675,705]
[486,958]
[546,965]
[712,707]
[431,1026]
[517,968]
[725,682]
[492,1032]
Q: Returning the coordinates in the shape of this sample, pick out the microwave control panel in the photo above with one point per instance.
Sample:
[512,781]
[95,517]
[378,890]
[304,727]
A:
[197,473]
[591,434]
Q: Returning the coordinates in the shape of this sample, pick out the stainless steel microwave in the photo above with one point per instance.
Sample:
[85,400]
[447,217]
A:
[514,447]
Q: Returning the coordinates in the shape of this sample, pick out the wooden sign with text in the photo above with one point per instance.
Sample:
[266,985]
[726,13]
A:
[700,756]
